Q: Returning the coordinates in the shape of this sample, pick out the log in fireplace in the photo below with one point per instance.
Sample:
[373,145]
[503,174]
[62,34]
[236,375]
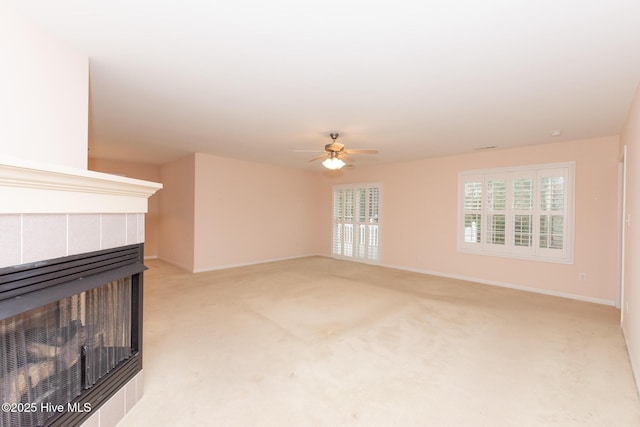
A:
[70,335]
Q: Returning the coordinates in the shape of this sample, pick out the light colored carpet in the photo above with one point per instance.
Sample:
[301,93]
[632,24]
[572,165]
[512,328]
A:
[321,342]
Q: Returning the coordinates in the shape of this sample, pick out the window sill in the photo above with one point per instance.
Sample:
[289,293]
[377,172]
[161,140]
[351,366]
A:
[555,260]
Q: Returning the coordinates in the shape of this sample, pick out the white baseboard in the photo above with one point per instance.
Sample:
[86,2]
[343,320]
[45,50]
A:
[505,285]
[176,264]
[223,267]
[635,372]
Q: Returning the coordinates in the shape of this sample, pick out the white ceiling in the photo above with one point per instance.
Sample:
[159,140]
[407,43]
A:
[254,79]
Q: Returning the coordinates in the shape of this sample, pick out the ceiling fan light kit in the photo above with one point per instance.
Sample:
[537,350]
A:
[336,151]
[333,163]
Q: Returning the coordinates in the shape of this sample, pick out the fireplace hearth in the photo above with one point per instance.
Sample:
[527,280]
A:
[70,335]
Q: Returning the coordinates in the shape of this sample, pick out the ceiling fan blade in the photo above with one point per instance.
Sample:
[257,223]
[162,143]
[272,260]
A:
[308,151]
[361,151]
[318,157]
[343,156]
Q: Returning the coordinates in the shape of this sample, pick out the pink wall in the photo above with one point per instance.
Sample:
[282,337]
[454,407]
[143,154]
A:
[248,212]
[631,304]
[146,172]
[419,218]
[44,87]
[176,241]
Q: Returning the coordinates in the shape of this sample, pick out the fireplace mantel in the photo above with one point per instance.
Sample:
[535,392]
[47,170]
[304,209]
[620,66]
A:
[29,188]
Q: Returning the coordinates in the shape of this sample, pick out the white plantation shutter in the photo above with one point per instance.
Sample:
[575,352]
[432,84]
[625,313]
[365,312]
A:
[356,221]
[524,212]
[360,226]
[496,212]
[337,222]
[347,224]
[373,227]
[521,215]
[472,195]
[552,212]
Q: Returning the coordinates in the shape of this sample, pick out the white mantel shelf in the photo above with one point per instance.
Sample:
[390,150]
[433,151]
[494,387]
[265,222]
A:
[30,187]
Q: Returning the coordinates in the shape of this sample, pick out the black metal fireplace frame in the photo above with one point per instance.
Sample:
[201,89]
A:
[27,286]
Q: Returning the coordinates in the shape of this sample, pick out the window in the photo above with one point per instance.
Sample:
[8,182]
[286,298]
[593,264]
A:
[523,212]
[356,221]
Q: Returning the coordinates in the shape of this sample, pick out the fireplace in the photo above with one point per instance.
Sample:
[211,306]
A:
[71,249]
[71,329]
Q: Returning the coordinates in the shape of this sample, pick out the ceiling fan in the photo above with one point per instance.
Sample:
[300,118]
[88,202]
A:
[336,156]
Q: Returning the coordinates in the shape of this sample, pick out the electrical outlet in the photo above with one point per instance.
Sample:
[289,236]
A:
[582,277]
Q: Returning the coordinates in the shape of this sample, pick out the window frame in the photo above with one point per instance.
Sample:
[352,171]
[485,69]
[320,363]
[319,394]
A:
[510,249]
[356,254]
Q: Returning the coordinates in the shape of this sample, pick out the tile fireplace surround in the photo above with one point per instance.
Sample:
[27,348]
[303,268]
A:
[52,211]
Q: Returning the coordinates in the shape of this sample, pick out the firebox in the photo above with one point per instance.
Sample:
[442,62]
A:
[70,335]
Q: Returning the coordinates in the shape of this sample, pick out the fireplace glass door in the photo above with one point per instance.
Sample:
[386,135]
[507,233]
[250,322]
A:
[50,354]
